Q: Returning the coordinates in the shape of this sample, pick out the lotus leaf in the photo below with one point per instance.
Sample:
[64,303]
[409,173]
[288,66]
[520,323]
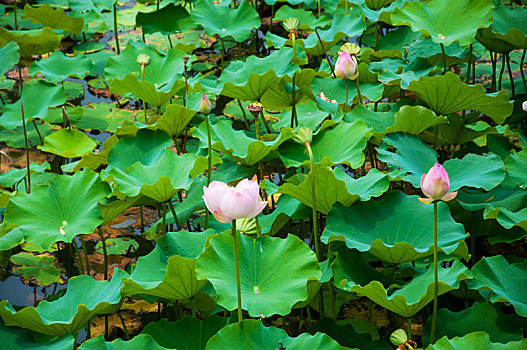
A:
[68,143]
[477,340]
[9,55]
[100,116]
[14,175]
[58,67]
[262,288]
[175,119]
[53,18]
[15,338]
[40,268]
[117,246]
[142,341]
[507,31]
[516,164]
[31,42]
[307,19]
[167,20]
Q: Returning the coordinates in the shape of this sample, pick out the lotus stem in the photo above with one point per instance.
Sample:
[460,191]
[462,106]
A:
[294,118]
[170,42]
[521,70]
[469,64]
[318,7]
[359,96]
[81,265]
[237,267]
[346,100]
[325,52]
[209,164]
[124,325]
[347,6]
[86,259]
[15,13]
[265,122]
[244,115]
[104,251]
[436,279]
[38,132]
[178,224]
[445,67]
[115,30]
[164,213]
[370,318]
[222,51]
[376,34]
[502,69]
[157,6]
[494,64]
[409,328]
[28,187]
[106,332]
[21,81]
[313,201]
[508,61]
[142,218]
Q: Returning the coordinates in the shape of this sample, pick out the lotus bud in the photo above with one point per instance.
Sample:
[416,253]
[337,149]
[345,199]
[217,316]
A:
[255,108]
[352,49]
[398,337]
[228,203]
[303,135]
[143,59]
[435,185]
[292,23]
[204,104]
[524,106]
[346,66]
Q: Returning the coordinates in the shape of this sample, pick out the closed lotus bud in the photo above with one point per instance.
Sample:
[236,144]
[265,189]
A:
[346,66]
[524,106]
[143,59]
[435,185]
[204,104]
[228,203]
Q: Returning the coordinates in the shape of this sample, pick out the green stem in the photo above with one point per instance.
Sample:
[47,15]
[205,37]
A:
[222,50]
[164,213]
[127,336]
[170,42]
[494,64]
[115,30]
[347,96]
[38,132]
[158,1]
[81,265]
[409,328]
[237,267]
[105,253]
[469,65]
[313,201]
[244,115]
[28,187]
[318,6]
[209,164]
[347,6]
[15,13]
[502,70]
[294,118]
[436,282]
[325,53]
[444,58]
[359,96]
[265,122]
[521,70]
[508,60]
[86,259]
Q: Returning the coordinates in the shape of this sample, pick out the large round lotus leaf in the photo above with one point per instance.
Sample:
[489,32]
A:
[58,67]
[412,296]
[499,281]
[333,186]
[344,144]
[237,144]
[14,338]
[142,341]
[53,18]
[279,96]
[335,89]
[446,94]
[414,120]
[9,54]
[225,21]
[431,19]
[483,171]
[31,42]
[146,147]
[100,116]
[15,175]
[396,229]
[36,99]
[175,119]
[38,268]
[476,340]
[516,164]
[399,72]
[87,5]
[253,335]
[189,333]
[501,327]
[68,143]
[84,298]
[249,80]
[59,211]
[159,181]
[263,289]
[168,272]
[168,20]
[307,18]
[154,94]
[507,31]
[377,121]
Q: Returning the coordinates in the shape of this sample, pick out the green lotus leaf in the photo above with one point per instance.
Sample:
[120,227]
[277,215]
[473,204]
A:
[237,144]
[286,208]
[307,18]
[152,94]
[430,19]
[36,99]
[379,122]
[86,5]
[249,80]
[395,71]
[413,295]
[189,333]
[159,181]
[175,119]
[225,21]
[482,316]
[483,171]
[377,4]
[40,268]
[84,298]
[68,143]
[15,175]
[279,96]
[14,338]
[507,31]
[395,229]
[344,144]
[335,89]
[446,94]
[333,186]
[94,160]
[476,340]
[141,341]
[307,114]
[516,164]
[253,335]
[168,271]
[100,116]
[53,18]
[58,67]
[414,120]
[49,211]
[168,20]
[31,42]
[456,132]
[117,246]
[262,289]
[9,55]
[499,281]
[147,147]
[425,48]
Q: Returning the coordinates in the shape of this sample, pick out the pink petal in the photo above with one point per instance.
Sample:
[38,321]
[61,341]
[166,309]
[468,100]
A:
[449,196]
[214,194]
[258,209]
[237,205]
[221,217]
[425,200]
[249,188]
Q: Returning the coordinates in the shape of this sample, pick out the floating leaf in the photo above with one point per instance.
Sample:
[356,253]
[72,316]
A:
[117,246]
[58,67]
[68,143]
[31,42]
[39,268]
[53,18]
[476,340]
[168,20]
[100,116]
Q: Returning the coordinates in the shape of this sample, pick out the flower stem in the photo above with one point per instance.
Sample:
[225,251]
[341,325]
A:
[359,96]
[237,266]
[436,285]
[28,185]
[115,30]
[209,164]
[178,224]
[444,58]
[469,64]
[127,336]
[313,201]
[81,265]
[347,6]
[244,115]
[521,70]
[409,328]
[105,253]
[346,100]
[86,259]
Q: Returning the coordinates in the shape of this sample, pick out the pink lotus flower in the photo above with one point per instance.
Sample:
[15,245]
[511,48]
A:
[229,203]
[346,66]
[435,185]
[204,104]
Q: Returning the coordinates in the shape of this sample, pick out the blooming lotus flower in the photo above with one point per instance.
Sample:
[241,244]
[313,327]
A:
[204,104]
[435,185]
[346,66]
[228,203]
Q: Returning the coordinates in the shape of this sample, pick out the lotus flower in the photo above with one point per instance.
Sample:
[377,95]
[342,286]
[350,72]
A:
[204,104]
[346,66]
[229,203]
[435,185]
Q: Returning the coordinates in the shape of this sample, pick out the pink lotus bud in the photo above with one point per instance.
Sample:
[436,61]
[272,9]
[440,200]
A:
[346,66]
[436,184]
[229,203]
[204,104]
